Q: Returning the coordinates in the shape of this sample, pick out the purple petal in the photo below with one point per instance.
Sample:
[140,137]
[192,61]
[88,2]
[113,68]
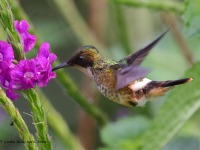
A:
[21,26]
[11,94]
[6,54]
[28,40]
[44,50]
[44,61]
[5,78]
[44,79]
[24,75]
[52,57]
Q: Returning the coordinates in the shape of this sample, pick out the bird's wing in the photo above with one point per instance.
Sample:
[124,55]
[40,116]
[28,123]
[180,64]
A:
[128,70]
[137,57]
[128,74]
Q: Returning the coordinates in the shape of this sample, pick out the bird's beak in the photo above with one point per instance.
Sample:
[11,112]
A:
[63,65]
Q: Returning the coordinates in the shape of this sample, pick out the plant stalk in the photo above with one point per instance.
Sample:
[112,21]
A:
[26,136]
[57,122]
[172,6]
[39,119]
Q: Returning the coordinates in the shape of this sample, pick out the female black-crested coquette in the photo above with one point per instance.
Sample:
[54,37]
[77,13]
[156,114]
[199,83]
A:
[124,81]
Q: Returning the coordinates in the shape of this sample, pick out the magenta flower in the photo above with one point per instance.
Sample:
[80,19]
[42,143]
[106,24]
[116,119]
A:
[44,61]
[6,55]
[27,73]
[5,78]
[11,94]
[24,75]
[28,40]
[7,83]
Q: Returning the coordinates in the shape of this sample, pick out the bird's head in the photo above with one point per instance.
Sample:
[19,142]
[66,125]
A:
[83,58]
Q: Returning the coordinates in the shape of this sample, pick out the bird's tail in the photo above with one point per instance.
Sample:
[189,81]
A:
[175,82]
[158,88]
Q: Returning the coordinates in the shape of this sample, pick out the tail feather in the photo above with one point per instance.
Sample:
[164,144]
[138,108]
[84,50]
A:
[159,88]
[175,82]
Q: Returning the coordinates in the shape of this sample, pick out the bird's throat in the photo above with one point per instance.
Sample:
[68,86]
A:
[87,71]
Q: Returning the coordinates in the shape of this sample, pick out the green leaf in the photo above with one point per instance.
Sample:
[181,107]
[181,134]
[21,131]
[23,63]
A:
[191,17]
[177,109]
[183,143]
[117,135]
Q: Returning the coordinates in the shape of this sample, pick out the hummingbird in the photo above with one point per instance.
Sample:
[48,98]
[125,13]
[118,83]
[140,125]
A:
[123,81]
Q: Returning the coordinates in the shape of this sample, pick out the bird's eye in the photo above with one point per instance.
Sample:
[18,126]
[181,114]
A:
[80,58]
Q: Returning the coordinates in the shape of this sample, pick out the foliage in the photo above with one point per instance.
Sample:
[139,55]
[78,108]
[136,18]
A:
[191,17]
[125,133]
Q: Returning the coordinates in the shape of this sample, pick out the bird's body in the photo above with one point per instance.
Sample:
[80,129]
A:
[124,81]
[106,82]
[136,93]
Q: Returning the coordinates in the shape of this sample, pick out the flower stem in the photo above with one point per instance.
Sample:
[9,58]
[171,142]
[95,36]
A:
[7,21]
[18,121]
[172,6]
[121,28]
[59,126]
[39,119]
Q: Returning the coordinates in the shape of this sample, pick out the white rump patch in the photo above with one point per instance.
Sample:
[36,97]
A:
[141,102]
[138,85]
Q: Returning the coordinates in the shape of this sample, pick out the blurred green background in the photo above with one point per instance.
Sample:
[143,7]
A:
[116,30]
